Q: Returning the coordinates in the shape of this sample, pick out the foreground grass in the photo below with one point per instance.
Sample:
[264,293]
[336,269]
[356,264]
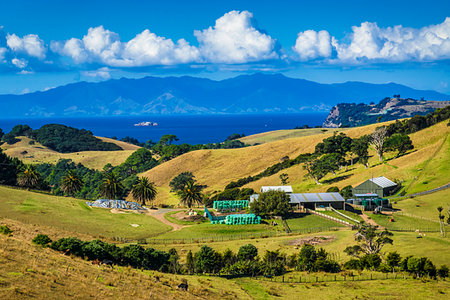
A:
[74,215]
[305,221]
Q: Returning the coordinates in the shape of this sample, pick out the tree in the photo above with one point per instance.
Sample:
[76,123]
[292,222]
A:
[167,139]
[144,191]
[313,167]
[111,187]
[179,181]
[370,241]
[393,260]
[9,167]
[71,183]
[307,258]
[360,148]
[347,192]
[29,177]
[205,260]
[274,203]
[174,264]
[273,263]
[443,271]
[247,252]
[191,194]
[284,178]
[190,263]
[377,141]
[399,142]
[441,221]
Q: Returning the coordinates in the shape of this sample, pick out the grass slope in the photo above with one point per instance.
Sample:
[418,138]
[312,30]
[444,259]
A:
[426,205]
[427,167]
[424,168]
[277,135]
[37,153]
[29,271]
[74,215]
[216,168]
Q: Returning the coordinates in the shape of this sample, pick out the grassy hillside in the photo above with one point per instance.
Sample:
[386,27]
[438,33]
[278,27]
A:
[277,135]
[426,205]
[427,167]
[29,271]
[73,215]
[428,163]
[37,153]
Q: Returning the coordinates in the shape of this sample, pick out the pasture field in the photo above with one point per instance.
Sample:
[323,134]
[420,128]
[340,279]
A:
[426,205]
[37,153]
[74,215]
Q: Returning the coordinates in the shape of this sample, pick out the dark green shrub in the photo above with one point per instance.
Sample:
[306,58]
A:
[443,271]
[70,244]
[371,261]
[327,265]
[42,239]
[247,252]
[4,229]
[353,264]
[333,189]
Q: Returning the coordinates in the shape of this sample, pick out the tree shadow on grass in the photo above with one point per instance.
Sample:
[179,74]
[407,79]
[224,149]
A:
[336,179]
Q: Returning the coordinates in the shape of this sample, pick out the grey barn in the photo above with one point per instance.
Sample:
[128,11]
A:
[378,185]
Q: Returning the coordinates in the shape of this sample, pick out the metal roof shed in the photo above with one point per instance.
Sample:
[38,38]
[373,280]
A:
[379,185]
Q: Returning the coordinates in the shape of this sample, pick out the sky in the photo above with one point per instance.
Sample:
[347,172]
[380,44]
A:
[44,44]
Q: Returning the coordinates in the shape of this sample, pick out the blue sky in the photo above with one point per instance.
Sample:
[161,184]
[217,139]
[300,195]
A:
[44,44]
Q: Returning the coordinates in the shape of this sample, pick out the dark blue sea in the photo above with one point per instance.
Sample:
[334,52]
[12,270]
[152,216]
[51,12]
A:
[192,129]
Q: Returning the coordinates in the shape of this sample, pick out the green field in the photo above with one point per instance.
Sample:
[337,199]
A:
[74,215]
[310,221]
[426,205]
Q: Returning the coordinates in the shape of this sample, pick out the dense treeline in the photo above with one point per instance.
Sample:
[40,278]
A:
[66,139]
[61,138]
[9,168]
[247,262]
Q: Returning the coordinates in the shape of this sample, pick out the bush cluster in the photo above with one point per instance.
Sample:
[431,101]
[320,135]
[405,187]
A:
[132,255]
[4,229]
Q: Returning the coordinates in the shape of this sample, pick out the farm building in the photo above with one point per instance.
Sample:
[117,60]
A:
[281,188]
[379,185]
[313,200]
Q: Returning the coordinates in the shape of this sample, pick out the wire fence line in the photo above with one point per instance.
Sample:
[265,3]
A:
[292,279]
[329,217]
[224,238]
[416,217]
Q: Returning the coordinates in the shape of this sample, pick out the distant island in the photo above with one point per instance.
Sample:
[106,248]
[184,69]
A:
[388,109]
[145,124]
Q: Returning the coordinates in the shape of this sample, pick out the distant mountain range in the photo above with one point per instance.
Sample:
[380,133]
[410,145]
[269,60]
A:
[257,93]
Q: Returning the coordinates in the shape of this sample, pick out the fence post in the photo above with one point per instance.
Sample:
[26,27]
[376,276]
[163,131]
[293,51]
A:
[283,278]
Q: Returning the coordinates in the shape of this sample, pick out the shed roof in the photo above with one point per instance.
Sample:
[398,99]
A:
[315,197]
[383,182]
[282,188]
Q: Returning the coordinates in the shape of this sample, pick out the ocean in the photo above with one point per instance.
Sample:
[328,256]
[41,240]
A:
[191,129]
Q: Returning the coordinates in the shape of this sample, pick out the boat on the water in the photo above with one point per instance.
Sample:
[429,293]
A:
[146,123]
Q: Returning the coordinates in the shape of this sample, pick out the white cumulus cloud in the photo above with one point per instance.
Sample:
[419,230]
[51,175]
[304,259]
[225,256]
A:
[102,73]
[2,54]
[370,43]
[104,46]
[234,39]
[20,63]
[311,44]
[30,44]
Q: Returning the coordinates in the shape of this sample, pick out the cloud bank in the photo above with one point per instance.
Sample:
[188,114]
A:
[233,40]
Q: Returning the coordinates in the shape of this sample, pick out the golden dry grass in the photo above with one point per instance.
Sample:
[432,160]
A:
[29,271]
[276,135]
[38,153]
[217,168]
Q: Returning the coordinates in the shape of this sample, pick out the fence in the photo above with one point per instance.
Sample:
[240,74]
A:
[329,217]
[417,217]
[224,238]
[344,215]
[292,279]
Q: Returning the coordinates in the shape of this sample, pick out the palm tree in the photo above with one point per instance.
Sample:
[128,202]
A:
[191,194]
[144,190]
[111,187]
[71,183]
[29,177]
